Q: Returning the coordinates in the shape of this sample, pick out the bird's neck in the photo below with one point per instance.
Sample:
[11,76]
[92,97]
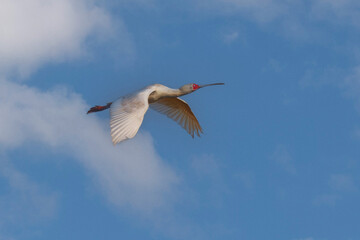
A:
[174,93]
[164,92]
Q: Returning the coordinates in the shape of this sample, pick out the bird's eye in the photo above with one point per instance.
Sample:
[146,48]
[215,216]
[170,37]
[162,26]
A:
[195,86]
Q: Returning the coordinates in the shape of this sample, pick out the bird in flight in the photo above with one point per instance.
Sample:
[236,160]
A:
[127,113]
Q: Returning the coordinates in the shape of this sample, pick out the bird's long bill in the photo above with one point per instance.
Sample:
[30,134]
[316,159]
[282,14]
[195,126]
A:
[212,84]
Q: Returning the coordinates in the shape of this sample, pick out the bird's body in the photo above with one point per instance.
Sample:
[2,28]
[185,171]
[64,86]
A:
[127,113]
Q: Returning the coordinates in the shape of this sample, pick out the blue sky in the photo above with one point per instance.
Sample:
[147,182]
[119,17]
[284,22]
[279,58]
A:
[279,157]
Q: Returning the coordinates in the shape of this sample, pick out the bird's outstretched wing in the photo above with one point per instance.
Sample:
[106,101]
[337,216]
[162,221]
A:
[127,114]
[178,110]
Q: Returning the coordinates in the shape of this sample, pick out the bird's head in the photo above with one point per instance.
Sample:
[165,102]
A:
[189,88]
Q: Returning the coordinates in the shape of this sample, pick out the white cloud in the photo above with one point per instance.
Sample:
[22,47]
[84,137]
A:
[231,37]
[265,11]
[273,65]
[259,10]
[337,12]
[326,199]
[298,20]
[247,179]
[35,32]
[342,182]
[205,165]
[351,85]
[346,79]
[208,172]
[339,183]
[131,174]
[282,157]
[26,203]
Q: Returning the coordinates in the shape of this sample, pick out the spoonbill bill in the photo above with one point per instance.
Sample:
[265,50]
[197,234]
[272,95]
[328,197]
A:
[127,112]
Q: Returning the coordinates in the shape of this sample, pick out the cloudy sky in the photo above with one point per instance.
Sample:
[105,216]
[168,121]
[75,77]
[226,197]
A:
[279,157]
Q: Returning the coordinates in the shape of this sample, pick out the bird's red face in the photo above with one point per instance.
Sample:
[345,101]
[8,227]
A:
[195,86]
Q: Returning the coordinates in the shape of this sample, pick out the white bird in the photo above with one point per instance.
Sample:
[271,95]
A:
[127,113]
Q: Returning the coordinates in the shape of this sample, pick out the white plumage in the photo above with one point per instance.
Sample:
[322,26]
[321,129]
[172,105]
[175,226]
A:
[127,113]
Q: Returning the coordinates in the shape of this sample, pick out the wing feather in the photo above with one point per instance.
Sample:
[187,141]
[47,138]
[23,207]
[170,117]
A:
[127,114]
[178,110]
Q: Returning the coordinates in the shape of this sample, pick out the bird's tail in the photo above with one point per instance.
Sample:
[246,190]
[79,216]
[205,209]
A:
[99,108]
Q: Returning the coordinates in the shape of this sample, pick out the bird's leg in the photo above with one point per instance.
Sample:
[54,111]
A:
[99,108]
